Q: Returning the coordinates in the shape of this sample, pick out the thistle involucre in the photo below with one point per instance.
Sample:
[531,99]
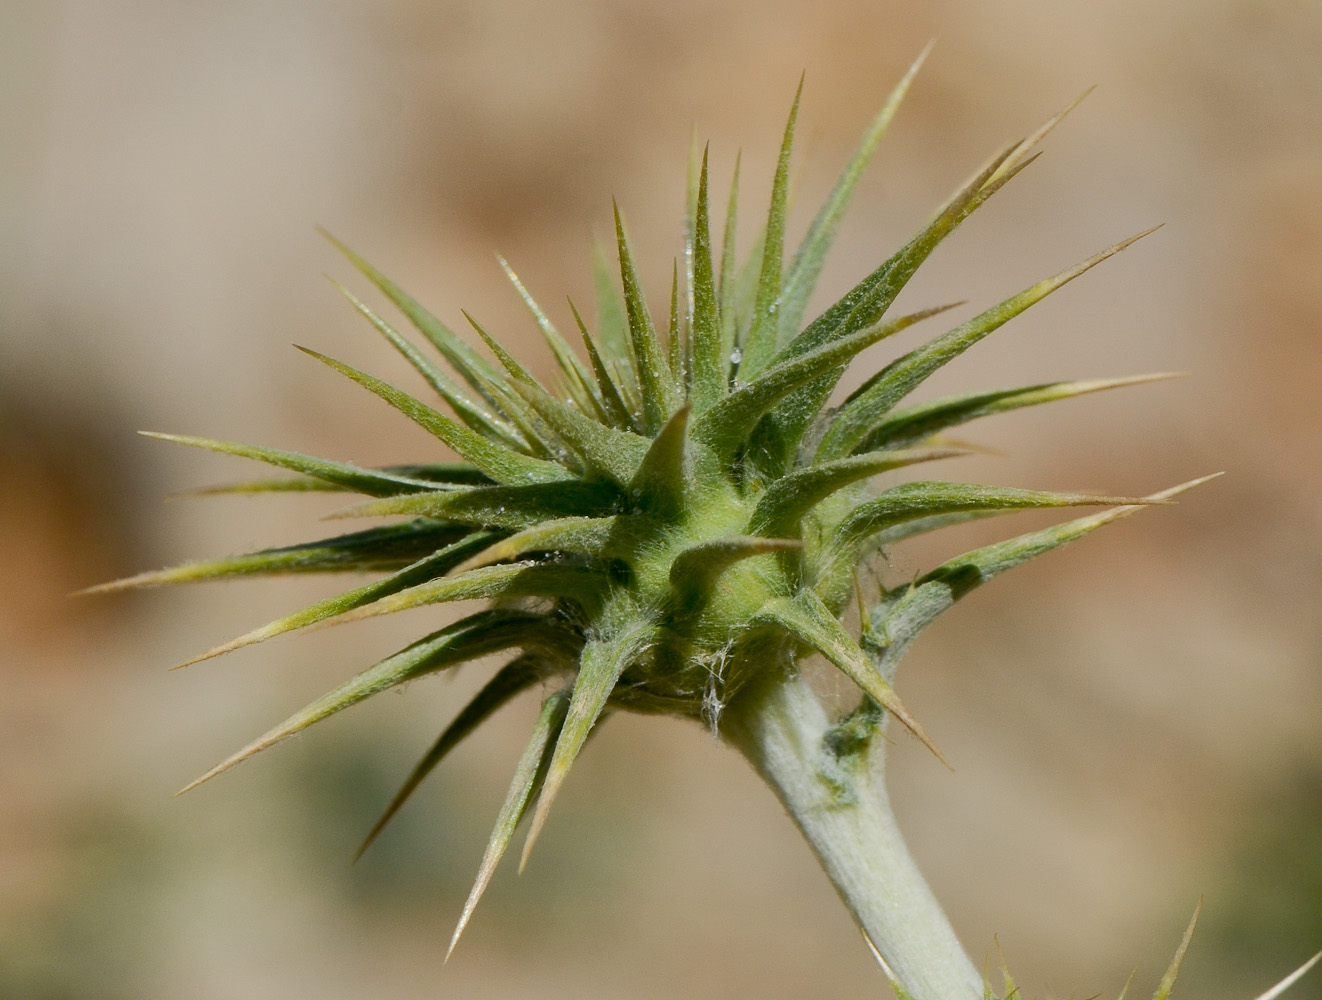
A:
[684,512]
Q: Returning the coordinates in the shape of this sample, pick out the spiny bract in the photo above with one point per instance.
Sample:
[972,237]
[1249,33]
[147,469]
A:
[686,511]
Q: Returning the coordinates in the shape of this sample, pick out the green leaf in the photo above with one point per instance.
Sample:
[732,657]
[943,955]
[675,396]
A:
[581,583]
[539,437]
[437,473]
[726,426]
[678,348]
[902,614]
[782,507]
[470,366]
[374,483]
[529,776]
[694,571]
[1019,157]
[1124,990]
[864,305]
[691,197]
[659,395]
[810,622]
[427,568]
[577,381]
[744,295]
[605,452]
[865,408]
[1168,980]
[443,473]
[1011,989]
[386,548]
[618,413]
[612,325]
[600,666]
[580,535]
[801,278]
[472,637]
[872,296]
[709,381]
[727,307]
[908,501]
[917,423]
[760,343]
[507,360]
[286,484]
[926,525]
[471,413]
[659,483]
[502,464]
[512,679]
[515,507]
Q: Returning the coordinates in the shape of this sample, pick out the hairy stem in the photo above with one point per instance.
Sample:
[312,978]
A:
[840,805]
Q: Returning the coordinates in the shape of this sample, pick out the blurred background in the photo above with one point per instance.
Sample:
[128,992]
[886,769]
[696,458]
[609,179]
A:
[1134,721]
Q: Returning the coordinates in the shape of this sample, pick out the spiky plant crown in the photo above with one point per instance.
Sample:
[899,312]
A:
[685,512]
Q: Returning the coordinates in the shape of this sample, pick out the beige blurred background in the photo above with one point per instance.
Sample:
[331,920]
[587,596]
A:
[1134,722]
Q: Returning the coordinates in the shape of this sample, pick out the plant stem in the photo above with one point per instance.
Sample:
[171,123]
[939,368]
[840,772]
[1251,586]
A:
[845,815]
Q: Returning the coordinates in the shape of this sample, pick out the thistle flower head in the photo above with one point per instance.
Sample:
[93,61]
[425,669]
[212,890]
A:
[684,510]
